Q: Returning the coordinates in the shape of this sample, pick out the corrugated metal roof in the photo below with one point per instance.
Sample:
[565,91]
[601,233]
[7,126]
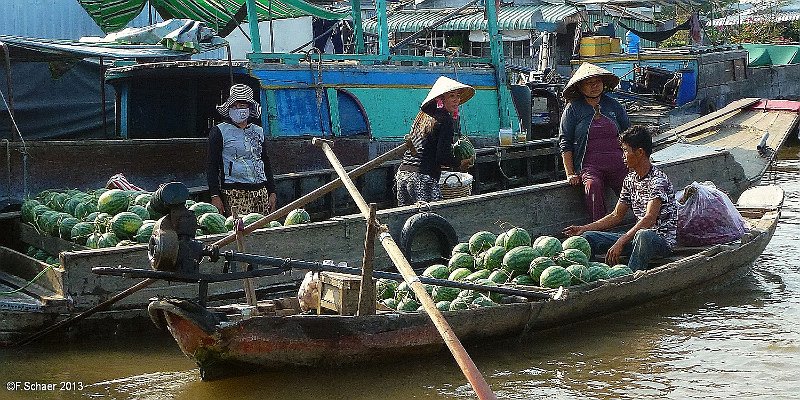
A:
[746,18]
[54,19]
[509,18]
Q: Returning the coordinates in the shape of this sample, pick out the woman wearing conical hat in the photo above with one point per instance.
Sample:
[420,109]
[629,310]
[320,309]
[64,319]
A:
[589,136]
[432,136]
[239,172]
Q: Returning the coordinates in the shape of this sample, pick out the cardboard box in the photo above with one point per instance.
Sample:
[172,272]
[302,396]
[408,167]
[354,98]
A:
[592,46]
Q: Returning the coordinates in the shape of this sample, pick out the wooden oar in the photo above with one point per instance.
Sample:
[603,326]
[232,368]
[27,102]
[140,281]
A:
[463,359]
[318,192]
[281,212]
[100,307]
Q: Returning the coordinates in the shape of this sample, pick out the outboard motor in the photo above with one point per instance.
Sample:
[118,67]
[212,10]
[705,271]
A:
[173,246]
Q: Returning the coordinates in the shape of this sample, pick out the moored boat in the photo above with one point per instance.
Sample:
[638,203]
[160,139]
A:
[221,339]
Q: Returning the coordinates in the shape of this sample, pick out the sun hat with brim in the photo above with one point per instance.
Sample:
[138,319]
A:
[445,85]
[586,71]
[240,92]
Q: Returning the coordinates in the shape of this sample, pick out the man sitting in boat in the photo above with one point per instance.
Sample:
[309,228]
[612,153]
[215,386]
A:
[649,192]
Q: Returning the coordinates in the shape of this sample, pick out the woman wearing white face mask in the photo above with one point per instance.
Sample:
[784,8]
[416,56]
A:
[239,172]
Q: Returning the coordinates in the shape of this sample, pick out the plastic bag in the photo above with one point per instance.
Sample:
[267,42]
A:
[707,216]
[309,293]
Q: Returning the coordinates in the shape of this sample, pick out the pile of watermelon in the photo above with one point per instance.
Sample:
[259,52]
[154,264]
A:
[43,256]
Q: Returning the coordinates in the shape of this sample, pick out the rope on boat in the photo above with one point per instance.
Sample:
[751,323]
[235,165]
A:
[30,282]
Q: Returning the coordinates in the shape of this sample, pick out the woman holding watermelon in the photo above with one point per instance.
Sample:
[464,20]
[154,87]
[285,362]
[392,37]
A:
[589,136]
[239,172]
[432,136]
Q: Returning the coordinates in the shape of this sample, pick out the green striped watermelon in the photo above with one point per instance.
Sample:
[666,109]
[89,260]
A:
[461,260]
[26,212]
[499,276]
[548,246]
[479,274]
[516,237]
[443,305]
[444,293]
[384,288]
[437,271]
[555,276]
[578,242]
[102,222]
[481,241]
[201,208]
[92,240]
[460,248]
[72,204]
[296,217]
[580,274]
[85,208]
[65,227]
[390,303]
[459,304]
[252,218]
[483,301]
[142,199]
[113,202]
[596,273]
[572,256]
[212,223]
[459,274]
[463,149]
[140,211]
[493,258]
[619,270]
[538,265]
[518,259]
[107,239]
[152,211]
[91,217]
[125,225]
[144,232]
[525,280]
[275,224]
[501,240]
[81,231]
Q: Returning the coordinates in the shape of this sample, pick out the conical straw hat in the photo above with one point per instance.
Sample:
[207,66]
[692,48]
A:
[585,71]
[444,85]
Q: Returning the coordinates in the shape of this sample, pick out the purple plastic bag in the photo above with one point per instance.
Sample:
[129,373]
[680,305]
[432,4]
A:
[707,216]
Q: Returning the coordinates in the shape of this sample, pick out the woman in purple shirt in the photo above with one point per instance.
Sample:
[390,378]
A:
[589,136]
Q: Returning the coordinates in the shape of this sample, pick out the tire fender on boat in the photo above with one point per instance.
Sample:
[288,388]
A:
[428,221]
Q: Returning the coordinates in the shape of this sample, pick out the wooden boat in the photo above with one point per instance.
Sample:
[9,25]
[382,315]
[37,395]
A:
[222,339]
[711,149]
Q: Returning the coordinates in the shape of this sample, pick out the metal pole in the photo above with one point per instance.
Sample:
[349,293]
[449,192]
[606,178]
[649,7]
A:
[358,27]
[252,21]
[103,98]
[383,28]
[496,47]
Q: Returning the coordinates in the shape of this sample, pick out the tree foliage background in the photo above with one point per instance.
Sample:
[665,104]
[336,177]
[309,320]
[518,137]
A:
[764,28]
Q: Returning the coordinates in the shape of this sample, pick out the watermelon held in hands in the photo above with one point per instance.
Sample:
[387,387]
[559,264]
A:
[296,217]
[113,202]
[460,248]
[548,246]
[481,241]
[516,237]
[578,242]
[463,149]
[554,277]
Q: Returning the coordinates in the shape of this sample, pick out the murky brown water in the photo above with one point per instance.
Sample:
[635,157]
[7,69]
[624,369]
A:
[739,341]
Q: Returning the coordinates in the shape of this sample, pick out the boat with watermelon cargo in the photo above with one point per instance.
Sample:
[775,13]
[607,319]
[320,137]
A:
[728,147]
[275,334]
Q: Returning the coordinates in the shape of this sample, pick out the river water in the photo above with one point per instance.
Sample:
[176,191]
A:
[739,341]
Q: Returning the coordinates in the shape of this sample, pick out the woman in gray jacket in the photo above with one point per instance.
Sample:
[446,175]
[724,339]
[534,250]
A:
[589,136]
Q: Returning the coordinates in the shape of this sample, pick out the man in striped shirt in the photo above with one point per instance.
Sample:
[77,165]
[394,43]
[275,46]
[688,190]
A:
[649,193]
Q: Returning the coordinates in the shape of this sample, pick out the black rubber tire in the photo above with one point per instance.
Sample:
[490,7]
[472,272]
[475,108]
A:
[428,221]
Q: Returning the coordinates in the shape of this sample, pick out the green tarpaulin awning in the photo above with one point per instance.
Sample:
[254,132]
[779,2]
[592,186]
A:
[221,15]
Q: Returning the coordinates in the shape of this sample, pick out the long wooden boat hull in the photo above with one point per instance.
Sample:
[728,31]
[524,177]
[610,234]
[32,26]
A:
[216,343]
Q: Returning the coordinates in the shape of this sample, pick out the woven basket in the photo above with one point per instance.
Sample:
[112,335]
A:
[451,191]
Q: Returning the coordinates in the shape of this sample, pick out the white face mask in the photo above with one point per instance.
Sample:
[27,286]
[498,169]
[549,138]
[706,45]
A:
[239,115]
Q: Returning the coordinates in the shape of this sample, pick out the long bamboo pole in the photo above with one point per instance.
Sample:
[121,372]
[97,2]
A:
[463,359]
[317,193]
